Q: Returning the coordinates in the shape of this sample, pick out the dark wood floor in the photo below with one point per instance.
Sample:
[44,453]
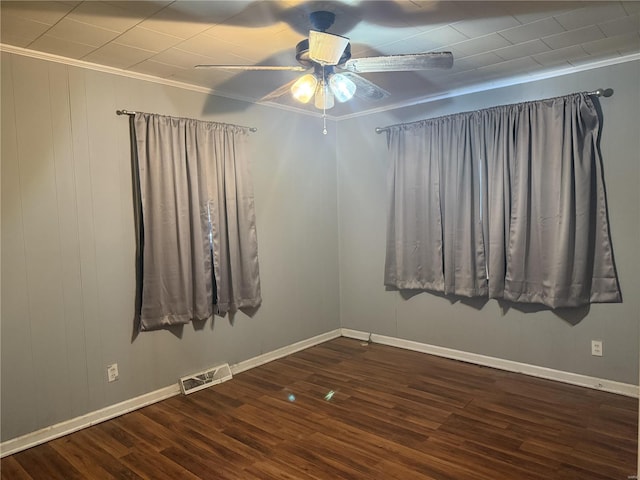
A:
[394,414]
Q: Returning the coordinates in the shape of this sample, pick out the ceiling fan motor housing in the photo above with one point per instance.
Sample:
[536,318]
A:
[322,20]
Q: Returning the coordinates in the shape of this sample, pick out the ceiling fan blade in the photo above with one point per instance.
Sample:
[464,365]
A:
[284,89]
[254,67]
[400,63]
[365,88]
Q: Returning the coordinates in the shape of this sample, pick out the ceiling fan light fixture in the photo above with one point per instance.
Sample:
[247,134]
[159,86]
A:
[326,48]
[342,87]
[324,99]
[304,88]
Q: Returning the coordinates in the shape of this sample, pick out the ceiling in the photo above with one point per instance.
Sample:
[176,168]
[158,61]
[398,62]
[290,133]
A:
[491,41]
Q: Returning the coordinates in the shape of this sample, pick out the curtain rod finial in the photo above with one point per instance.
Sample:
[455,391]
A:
[602,92]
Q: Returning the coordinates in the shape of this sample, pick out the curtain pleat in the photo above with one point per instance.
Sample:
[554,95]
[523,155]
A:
[189,173]
[509,201]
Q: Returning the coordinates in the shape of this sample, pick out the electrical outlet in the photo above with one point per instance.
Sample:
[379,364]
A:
[112,372]
[596,348]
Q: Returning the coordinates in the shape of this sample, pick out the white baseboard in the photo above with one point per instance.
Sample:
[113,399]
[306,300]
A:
[499,363]
[69,426]
[284,351]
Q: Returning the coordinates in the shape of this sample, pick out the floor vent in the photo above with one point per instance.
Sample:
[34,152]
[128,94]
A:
[206,378]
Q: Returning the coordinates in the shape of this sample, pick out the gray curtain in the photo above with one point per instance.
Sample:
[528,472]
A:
[507,202]
[198,220]
[434,235]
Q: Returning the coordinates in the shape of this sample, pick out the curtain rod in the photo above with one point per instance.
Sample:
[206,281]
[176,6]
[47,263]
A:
[129,112]
[600,92]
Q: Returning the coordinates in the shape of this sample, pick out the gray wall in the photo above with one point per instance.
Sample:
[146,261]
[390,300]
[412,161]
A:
[68,242]
[540,338]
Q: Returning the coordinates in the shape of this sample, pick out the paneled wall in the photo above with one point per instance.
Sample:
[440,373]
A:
[68,243]
[558,340]
[68,246]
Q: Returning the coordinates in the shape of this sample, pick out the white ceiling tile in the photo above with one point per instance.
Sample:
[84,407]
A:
[596,57]
[560,56]
[285,50]
[431,14]
[479,27]
[621,25]
[206,78]
[475,61]
[157,69]
[20,31]
[188,60]
[482,10]
[139,9]
[631,7]
[631,48]
[205,46]
[595,12]
[81,32]
[483,44]
[61,46]
[211,11]
[373,36]
[435,39]
[519,66]
[532,11]
[573,37]
[43,12]
[264,14]
[175,23]
[283,42]
[525,49]
[108,16]
[119,56]
[251,37]
[466,78]
[216,50]
[612,44]
[140,37]
[531,31]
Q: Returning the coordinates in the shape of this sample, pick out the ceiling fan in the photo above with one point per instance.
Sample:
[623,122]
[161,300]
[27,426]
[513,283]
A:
[335,74]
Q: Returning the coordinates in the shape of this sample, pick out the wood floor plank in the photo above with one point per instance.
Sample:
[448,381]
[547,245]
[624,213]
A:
[45,462]
[12,470]
[348,409]
[89,458]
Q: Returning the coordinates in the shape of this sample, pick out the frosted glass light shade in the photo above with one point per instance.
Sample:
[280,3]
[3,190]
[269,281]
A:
[342,87]
[326,48]
[324,97]
[304,88]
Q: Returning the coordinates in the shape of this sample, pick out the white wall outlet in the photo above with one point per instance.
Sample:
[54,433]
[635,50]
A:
[596,348]
[112,372]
